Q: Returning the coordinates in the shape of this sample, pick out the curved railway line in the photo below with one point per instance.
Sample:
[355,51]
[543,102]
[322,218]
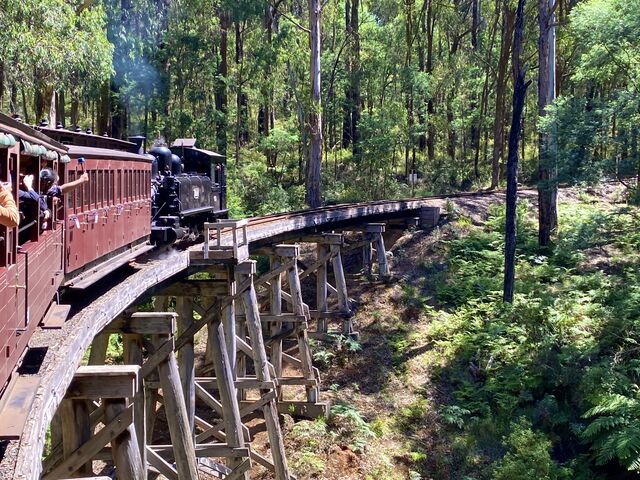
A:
[66,347]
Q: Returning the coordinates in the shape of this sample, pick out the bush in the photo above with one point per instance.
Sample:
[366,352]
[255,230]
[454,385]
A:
[528,457]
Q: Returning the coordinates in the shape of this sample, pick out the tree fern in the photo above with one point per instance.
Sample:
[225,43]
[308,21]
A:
[614,432]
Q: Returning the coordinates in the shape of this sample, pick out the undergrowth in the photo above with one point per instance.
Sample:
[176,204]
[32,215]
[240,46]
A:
[548,387]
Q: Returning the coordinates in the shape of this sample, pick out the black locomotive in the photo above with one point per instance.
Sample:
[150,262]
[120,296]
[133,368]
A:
[188,189]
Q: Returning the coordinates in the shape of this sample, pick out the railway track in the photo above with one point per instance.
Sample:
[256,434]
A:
[66,347]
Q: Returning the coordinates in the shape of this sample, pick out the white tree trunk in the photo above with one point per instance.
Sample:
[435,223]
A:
[315,116]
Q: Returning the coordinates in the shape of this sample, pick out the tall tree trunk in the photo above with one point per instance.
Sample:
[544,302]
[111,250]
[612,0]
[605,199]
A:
[431,110]
[221,84]
[547,187]
[519,94]
[347,124]
[314,162]
[501,90]
[475,22]
[242,101]
[60,108]
[422,65]
[355,79]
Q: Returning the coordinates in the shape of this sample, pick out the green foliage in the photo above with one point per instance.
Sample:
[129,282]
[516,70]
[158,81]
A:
[350,427]
[614,431]
[561,356]
[528,457]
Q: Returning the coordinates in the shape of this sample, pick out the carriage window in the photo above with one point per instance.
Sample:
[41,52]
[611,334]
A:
[111,187]
[71,195]
[99,188]
[130,185]
[118,185]
[138,192]
[92,188]
[85,195]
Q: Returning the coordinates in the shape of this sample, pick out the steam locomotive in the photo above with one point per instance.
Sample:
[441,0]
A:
[133,202]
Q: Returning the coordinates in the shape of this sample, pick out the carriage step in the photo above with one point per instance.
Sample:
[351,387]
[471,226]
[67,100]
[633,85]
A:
[15,405]
[56,316]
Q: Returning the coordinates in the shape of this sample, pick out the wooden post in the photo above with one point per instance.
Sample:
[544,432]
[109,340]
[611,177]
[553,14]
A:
[125,447]
[383,267]
[98,353]
[302,335]
[275,298]
[133,356]
[226,388]
[241,332]
[186,359]
[375,231]
[76,430]
[321,289]
[367,255]
[341,287]
[229,322]
[252,315]
[175,407]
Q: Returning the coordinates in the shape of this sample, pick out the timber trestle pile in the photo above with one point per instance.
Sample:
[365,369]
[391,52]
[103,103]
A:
[258,363]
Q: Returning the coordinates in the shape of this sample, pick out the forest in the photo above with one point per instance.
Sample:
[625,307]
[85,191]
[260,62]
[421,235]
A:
[382,99]
[525,323]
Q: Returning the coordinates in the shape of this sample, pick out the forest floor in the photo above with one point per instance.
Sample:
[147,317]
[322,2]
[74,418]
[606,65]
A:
[387,403]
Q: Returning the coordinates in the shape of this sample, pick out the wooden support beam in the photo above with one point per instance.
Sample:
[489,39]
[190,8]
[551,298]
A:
[324,238]
[208,450]
[161,465]
[375,227]
[177,419]
[274,433]
[98,352]
[76,431]
[383,267]
[228,314]
[341,287]
[196,288]
[144,323]
[280,250]
[186,356]
[89,449]
[275,328]
[104,381]
[306,362]
[134,356]
[321,284]
[124,446]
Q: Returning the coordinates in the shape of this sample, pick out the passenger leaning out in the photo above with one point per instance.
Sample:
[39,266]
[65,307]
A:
[49,189]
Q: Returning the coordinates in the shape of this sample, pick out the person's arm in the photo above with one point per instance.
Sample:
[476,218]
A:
[70,186]
[9,216]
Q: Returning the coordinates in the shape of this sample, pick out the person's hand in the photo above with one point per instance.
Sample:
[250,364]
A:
[28,182]
[56,200]
[84,177]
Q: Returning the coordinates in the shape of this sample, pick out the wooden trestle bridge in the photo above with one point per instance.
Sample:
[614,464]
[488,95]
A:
[257,334]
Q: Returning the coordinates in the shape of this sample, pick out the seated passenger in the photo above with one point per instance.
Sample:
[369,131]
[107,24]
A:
[9,215]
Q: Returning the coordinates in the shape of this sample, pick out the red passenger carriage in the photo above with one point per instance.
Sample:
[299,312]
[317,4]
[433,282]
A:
[107,220]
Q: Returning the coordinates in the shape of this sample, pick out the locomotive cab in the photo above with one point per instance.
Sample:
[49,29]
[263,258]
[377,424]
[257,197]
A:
[189,188]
